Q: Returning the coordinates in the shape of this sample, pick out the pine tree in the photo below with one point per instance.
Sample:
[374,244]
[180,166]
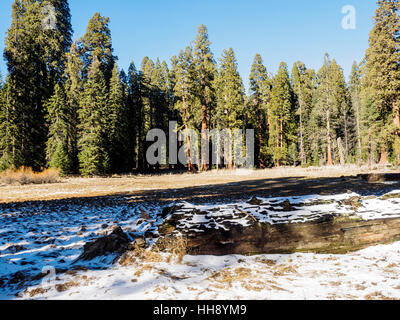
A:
[34,56]
[117,124]
[326,111]
[303,88]
[159,84]
[57,147]
[205,74]
[230,96]
[134,117]
[97,44]
[8,128]
[346,124]
[5,137]
[382,71]
[183,70]
[260,90]
[73,89]
[281,130]
[371,128]
[93,153]
[355,88]
[56,41]
[148,97]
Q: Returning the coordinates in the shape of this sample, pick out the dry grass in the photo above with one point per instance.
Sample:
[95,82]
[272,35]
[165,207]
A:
[140,255]
[229,275]
[378,296]
[176,246]
[74,187]
[25,176]
[283,270]
[37,291]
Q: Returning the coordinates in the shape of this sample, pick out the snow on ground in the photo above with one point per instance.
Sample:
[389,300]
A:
[35,237]
[368,274]
[284,210]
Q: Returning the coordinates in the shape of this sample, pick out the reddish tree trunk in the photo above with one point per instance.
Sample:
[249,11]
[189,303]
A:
[396,119]
[328,124]
[384,156]
[204,139]
[189,151]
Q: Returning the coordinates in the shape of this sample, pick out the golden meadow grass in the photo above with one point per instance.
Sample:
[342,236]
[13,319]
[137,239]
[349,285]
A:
[25,175]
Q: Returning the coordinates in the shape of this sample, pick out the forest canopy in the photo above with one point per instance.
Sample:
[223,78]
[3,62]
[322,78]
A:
[68,105]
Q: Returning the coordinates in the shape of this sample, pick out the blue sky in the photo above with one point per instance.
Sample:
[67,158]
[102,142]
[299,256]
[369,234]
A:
[288,30]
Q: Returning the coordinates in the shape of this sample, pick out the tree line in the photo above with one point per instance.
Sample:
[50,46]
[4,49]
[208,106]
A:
[68,105]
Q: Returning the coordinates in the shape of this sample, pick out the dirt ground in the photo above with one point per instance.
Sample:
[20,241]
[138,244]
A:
[214,185]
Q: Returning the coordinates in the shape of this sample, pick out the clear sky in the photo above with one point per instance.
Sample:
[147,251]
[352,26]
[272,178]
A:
[286,30]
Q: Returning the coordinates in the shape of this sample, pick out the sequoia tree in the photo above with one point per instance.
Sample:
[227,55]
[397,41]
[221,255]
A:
[205,74]
[382,73]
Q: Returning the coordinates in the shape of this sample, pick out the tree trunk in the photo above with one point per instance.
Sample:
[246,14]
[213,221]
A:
[189,151]
[230,145]
[260,139]
[358,130]
[204,138]
[277,162]
[396,119]
[341,152]
[346,138]
[384,156]
[329,140]
[302,153]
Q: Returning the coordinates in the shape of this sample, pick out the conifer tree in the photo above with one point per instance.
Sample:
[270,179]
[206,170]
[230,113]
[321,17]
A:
[135,116]
[260,87]
[5,143]
[355,88]
[303,88]
[97,44]
[8,128]
[57,147]
[57,38]
[93,153]
[183,70]
[281,131]
[327,109]
[34,56]
[117,123]
[205,74]
[346,123]
[73,87]
[371,128]
[230,96]
[382,73]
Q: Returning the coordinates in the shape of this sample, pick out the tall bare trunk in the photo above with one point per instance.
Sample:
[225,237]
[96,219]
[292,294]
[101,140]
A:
[277,161]
[302,153]
[260,139]
[396,119]
[329,140]
[357,103]
[189,150]
[384,156]
[204,138]
[346,138]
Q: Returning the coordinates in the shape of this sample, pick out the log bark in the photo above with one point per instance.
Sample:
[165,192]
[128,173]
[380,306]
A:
[329,235]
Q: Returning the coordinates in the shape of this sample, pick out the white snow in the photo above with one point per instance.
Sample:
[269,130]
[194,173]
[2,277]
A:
[34,236]
[368,274]
[271,210]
